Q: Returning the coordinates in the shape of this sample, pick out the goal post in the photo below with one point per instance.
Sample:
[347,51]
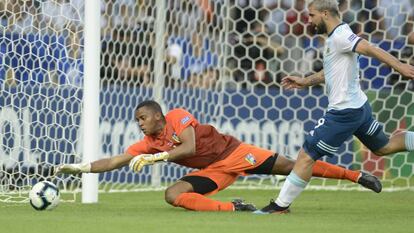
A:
[72,73]
[159,28]
[91,109]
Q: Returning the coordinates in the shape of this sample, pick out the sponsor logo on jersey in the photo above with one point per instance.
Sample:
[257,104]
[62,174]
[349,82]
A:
[185,120]
[250,159]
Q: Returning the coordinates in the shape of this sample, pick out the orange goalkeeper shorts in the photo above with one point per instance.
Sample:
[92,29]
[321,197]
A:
[226,171]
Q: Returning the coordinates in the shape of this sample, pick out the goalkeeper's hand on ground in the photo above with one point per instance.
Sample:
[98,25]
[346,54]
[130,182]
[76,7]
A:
[73,168]
[137,163]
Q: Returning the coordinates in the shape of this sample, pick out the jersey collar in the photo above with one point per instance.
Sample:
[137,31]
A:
[335,28]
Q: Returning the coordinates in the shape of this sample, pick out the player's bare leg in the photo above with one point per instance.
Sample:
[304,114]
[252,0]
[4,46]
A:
[283,166]
[182,194]
[294,185]
[172,192]
[400,141]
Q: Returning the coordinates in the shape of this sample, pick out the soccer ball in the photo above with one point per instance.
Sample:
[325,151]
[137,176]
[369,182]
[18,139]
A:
[44,196]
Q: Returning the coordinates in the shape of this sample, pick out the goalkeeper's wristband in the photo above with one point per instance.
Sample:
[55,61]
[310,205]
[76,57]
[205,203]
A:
[161,156]
[85,167]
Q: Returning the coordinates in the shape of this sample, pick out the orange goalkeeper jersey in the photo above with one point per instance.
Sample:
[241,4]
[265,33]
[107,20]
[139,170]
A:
[211,146]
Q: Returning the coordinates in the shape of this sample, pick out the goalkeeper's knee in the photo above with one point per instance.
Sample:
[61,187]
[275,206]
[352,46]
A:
[171,196]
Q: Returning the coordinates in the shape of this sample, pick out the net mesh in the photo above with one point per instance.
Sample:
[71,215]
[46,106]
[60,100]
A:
[223,60]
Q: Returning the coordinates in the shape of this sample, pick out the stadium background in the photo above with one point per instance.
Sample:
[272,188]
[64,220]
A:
[222,60]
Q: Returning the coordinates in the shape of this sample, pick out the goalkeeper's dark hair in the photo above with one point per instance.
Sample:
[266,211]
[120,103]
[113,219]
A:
[150,104]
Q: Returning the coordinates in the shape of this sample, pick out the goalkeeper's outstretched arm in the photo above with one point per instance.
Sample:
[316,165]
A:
[97,166]
[109,164]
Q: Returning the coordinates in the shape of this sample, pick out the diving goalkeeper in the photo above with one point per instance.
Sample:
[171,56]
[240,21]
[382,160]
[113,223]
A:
[178,137]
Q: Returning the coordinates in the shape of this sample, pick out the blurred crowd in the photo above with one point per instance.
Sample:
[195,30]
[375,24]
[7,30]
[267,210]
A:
[41,41]
[278,41]
[206,43]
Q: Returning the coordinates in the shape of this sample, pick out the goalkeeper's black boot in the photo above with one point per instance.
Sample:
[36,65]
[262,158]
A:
[370,182]
[239,205]
[273,208]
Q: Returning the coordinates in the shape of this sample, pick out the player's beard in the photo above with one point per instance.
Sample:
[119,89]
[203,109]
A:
[320,28]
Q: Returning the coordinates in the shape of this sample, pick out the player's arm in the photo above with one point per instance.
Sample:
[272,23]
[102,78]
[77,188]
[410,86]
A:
[186,148]
[109,164]
[367,49]
[292,82]
[102,165]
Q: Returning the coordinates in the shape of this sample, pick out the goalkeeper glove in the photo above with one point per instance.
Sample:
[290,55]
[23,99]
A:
[137,163]
[73,168]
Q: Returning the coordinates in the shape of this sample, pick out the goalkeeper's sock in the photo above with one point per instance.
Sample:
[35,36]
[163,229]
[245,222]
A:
[198,202]
[409,141]
[327,170]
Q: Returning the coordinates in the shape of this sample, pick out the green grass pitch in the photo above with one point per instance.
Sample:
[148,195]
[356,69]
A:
[314,211]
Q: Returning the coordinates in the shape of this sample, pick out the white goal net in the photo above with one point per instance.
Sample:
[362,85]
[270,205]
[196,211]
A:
[220,59]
